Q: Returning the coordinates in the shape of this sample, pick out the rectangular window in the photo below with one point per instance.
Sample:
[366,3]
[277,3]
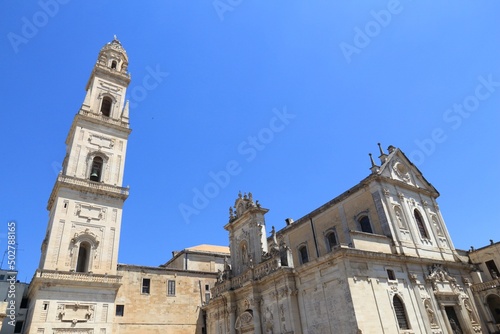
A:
[2,277]
[207,297]
[171,288]
[24,303]
[492,268]
[146,284]
[391,275]
[19,327]
[120,310]
[207,287]
[303,255]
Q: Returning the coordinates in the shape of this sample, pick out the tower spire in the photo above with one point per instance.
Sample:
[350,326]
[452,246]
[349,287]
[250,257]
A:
[374,168]
[383,156]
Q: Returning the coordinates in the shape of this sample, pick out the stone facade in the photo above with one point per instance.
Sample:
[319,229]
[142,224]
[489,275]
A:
[486,284]
[376,259]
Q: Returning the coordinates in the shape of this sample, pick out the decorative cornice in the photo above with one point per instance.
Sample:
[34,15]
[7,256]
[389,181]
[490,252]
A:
[75,279]
[103,120]
[86,186]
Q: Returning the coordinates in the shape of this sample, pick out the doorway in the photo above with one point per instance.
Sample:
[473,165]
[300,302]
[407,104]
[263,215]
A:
[453,320]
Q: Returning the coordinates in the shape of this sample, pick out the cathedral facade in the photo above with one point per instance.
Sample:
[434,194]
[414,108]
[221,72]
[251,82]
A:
[376,259]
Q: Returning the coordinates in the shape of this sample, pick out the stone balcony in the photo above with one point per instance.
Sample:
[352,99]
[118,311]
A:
[89,186]
[77,278]
[105,119]
[108,188]
[252,274]
[478,287]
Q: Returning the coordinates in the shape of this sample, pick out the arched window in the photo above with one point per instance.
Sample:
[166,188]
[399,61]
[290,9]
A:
[96,170]
[113,64]
[493,302]
[82,264]
[364,224]
[303,255]
[106,106]
[420,224]
[331,240]
[399,309]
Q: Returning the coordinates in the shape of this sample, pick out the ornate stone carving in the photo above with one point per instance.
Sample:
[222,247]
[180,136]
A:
[268,321]
[86,234]
[430,313]
[401,171]
[242,204]
[90,212]
[399,217]
[244,321]
[413,278]
[470,311]
[101,141]
[442,283]
[436,226]
[75,313]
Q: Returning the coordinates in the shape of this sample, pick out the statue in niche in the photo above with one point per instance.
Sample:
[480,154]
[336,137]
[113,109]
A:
[399,217]
[436,225]
[220,275]
[455,329]
[470,312]
[430,312]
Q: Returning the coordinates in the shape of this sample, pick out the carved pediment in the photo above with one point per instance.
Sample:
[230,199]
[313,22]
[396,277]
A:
[442,282]
[86,234]
[397,166]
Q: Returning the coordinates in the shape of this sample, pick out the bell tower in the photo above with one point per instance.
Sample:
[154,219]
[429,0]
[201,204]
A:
[80,249]
[86,203]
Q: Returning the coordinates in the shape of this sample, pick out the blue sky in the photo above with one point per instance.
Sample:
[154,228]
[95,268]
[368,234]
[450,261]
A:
[318,83]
